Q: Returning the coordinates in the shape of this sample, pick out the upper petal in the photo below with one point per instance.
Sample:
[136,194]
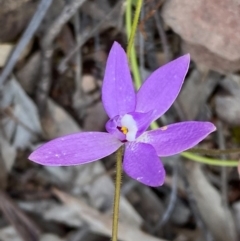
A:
[76,149]
[175,138]
[118,93]
[160,90]
[142,163]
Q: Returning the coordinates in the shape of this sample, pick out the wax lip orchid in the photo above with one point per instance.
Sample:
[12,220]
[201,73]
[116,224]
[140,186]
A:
[130,115]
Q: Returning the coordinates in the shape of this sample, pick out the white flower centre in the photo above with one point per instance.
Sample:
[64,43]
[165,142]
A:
[129,126]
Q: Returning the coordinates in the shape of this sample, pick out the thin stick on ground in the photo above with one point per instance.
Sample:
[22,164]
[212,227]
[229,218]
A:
[173,198]
[222,145]
[47,50]
[25,39]
[163,37]
[78,57]
[85,36]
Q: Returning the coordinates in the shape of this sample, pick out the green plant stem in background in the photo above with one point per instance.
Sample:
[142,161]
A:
[154,125]
[209,161]
[117,194]
[214,152]
[134,25]
[133,60]
[131,31]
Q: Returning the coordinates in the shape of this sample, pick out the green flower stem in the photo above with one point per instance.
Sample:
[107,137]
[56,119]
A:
[117,194]
[131,31]
[209,161]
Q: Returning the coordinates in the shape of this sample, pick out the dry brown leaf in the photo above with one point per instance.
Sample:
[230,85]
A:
[21,120]
[95,183]
[196,91]
[25,226]
[101,223]
[14,16]
[57,122]
[96,118]
[236,213]
[218,219]
[227,105]
[88,83]
[28,75]
[51,237]
[9,234]
[8,153]
[5,50]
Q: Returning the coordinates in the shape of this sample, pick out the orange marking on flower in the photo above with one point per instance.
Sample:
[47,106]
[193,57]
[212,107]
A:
[164,128]
[124,130]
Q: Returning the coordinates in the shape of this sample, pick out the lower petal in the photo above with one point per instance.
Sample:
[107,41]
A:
[176,138]
[76,149]
[142,163]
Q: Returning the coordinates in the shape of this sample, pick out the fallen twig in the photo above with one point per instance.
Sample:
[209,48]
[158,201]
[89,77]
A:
[23,224]
[162,36]
[173,198]
[85,36]
[47,50]
[25,39]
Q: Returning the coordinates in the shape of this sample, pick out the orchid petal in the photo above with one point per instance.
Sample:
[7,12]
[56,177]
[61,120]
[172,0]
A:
[160,90]
[118,93]
[176,138]
[76,149]
[142,163]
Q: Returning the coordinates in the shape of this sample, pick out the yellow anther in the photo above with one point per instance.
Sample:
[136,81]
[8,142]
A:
[124,130]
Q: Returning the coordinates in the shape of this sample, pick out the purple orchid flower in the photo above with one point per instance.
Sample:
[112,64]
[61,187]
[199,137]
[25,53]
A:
[130,115]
